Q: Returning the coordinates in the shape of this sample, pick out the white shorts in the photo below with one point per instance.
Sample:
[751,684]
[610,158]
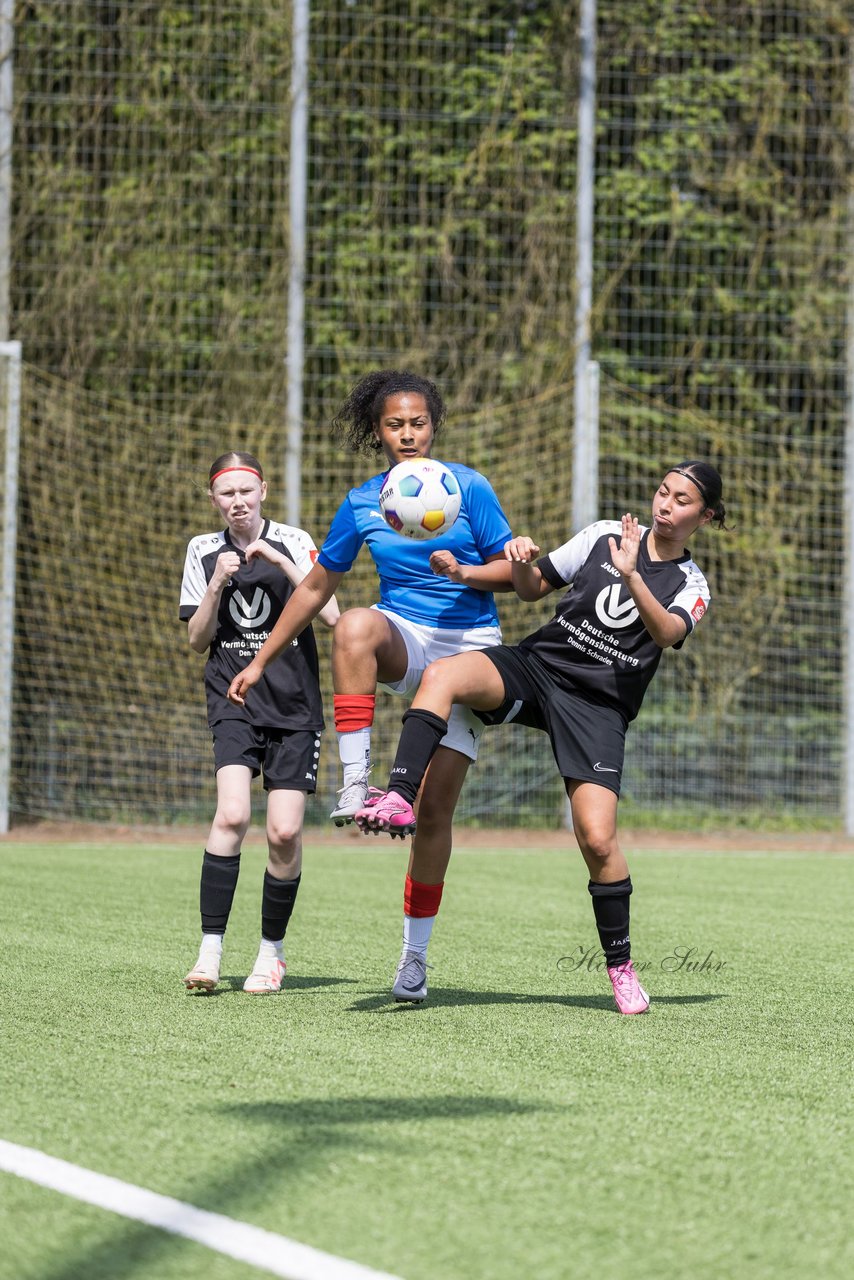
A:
[424,645]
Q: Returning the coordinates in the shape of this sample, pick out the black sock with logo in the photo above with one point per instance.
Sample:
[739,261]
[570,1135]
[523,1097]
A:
[422,733]
[611,909]
[277,903]
[216,892]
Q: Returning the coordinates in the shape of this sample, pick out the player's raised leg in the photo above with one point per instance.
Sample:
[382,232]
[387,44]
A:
[469,679]
[366,646]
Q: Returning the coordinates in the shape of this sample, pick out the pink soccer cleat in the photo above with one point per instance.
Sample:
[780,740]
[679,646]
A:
[267,976]
[386,811]
[628,992]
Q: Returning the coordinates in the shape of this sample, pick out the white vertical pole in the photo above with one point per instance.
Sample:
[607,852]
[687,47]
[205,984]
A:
[585,448]
[10,388]
[10,355]
[7,37]
[294,358]
[585,461]
[848,593]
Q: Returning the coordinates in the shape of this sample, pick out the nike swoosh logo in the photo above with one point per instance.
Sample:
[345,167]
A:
[603,768]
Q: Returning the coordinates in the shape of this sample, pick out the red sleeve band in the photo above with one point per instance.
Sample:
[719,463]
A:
[420,900]
[353,711]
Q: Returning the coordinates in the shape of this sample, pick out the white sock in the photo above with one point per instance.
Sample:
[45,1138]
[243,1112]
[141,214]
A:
[212,942]
[416,933]
[270,950]
[354,752]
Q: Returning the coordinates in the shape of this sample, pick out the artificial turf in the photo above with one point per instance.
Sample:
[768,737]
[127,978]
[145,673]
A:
[513,1126]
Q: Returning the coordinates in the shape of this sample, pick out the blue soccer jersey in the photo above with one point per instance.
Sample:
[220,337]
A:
[408,586]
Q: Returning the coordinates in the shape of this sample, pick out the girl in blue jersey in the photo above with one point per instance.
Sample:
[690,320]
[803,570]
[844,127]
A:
[435,601]
[581,678]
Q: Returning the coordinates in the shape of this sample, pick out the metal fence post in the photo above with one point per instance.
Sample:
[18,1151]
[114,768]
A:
[10,407]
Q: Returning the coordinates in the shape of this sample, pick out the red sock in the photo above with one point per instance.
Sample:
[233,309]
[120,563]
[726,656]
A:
[353,711]
[420,900]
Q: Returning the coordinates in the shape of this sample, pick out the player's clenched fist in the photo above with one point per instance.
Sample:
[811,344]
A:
[227,565]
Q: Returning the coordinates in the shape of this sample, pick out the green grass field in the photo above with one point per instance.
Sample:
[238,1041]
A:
[514,1126]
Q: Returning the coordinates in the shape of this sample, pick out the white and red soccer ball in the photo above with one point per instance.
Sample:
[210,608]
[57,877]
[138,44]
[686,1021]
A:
[420,498]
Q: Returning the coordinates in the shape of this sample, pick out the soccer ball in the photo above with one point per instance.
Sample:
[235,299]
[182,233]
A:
[420,498]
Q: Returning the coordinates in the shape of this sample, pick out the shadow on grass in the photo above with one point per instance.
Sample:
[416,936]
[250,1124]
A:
[443,997]
[229,983]
[331,1113]
[288,1135]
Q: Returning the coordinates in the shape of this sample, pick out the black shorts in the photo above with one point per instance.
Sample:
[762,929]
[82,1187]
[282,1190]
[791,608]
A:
[288,757]
[588,738]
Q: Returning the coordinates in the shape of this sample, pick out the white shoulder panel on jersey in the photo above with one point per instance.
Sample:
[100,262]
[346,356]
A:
[194,583]
[569,558]
[297,541]
[694,598]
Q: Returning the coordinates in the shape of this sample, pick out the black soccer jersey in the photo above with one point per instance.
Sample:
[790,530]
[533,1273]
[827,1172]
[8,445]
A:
[596,642]
[288,694]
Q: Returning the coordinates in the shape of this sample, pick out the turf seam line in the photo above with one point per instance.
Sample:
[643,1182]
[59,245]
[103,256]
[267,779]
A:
[278,1255]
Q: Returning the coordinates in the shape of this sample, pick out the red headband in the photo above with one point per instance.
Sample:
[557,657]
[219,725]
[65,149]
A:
[222,473]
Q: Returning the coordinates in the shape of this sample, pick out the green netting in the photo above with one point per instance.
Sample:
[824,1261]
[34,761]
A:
[149,289]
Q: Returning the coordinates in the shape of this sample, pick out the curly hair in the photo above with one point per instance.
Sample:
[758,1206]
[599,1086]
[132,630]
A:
[360,413]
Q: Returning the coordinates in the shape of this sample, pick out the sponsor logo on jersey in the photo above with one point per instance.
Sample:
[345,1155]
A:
[611,611]
[249,614]
[609,568]
[698,610]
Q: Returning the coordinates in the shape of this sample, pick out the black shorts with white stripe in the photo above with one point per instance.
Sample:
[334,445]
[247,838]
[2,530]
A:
[588,738]
[288,758]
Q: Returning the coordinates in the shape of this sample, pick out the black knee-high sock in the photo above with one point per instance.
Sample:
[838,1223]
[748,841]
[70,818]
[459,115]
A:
[216,892]
[277,903]
[611,909]
[422,733]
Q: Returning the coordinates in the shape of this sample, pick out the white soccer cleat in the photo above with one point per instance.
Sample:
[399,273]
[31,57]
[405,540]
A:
[204,974]
[410,981]
[351,798]
[267,976]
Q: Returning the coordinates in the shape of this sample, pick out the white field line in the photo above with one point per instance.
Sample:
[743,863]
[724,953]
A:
[264,1249]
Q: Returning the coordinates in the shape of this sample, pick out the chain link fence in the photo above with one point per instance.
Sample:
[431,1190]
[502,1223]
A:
[149,290]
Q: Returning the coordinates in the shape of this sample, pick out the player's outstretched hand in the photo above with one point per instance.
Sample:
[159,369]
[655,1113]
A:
[446,565]
[242,683]
[523,550]
[624,557]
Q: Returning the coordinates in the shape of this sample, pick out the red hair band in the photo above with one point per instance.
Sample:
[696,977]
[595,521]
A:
[222,473]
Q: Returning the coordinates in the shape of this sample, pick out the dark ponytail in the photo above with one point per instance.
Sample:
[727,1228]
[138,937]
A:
[707,479]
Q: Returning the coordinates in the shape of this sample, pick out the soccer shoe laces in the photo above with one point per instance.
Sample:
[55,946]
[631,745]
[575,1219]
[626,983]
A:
[361,781]
[628,992]
[412,959]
